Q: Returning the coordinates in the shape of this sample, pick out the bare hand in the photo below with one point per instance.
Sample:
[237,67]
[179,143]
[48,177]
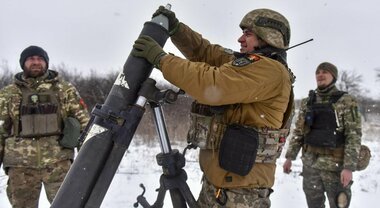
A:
[345,177]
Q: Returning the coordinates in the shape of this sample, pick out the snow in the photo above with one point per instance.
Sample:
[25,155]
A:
[139,166]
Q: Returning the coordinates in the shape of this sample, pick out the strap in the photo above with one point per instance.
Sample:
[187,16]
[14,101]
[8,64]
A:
[207,110]
[336,96]
[311,98]
[289,113]
[336,152]
[275,24]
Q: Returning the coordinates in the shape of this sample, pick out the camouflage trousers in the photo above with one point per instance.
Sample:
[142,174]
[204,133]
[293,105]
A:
[318,182]
[24,184]
[233,198]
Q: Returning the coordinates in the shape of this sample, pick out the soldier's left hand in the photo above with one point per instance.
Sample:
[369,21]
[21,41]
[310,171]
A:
[345,177]
[146,47]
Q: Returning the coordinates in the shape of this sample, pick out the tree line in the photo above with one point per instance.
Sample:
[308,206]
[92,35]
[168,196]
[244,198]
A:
[94,89]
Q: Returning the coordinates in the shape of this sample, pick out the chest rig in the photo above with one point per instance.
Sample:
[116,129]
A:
[322,120]
[207,130]
[39,113]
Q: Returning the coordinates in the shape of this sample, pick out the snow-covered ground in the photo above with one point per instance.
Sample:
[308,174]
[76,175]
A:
[139,166]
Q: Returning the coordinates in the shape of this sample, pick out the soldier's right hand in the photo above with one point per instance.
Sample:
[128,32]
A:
[287,166]
[173,21]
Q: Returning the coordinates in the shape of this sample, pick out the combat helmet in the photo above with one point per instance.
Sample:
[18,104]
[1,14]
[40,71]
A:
[269,25]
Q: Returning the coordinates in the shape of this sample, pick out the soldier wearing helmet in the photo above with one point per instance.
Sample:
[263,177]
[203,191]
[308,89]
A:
[328,131]
[242,105]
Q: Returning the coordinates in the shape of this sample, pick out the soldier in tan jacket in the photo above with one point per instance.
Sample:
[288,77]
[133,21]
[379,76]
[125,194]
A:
[242,103]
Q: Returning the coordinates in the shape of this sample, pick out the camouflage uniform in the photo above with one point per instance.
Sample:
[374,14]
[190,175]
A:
[322,166]
[30,161]
[256,90]
[235,198]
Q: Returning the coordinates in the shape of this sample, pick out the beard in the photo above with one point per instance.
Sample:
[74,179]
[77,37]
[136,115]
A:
[35,70]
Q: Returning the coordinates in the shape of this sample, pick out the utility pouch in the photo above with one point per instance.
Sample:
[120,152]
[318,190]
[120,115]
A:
[205,131]
[324,138]
[238,149]
[37,125]
[71,133]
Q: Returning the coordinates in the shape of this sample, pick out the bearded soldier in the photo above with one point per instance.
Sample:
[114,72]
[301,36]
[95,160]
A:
[242,103]
[40,120]
[328,131]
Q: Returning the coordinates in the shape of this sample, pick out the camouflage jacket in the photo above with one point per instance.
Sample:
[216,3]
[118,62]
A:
[43,151]
[349,124]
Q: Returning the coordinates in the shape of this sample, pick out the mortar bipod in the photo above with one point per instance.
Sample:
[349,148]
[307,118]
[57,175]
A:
[172,162]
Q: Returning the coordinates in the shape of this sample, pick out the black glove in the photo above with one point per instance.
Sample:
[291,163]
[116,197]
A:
[173,21]
[146,47]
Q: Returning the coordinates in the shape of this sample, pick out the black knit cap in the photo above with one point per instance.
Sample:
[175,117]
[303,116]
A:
[33,51]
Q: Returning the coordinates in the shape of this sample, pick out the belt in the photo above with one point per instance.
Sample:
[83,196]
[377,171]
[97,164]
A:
[221,193]
[207,110]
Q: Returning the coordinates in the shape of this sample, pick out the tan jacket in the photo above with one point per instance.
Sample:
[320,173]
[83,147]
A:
[212,75]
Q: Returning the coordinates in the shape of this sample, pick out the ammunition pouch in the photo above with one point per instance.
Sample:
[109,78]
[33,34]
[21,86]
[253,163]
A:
[207,130]
[39,114]
[238,149]
[271,143]
[206,127]
[329,138]
[71,133]
[38,125]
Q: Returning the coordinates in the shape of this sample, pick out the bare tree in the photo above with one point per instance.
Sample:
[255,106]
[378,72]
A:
[7,75]
[351,82]
[67,73]
[377,74]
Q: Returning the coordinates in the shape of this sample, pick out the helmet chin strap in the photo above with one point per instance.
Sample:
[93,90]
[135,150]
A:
[273,53]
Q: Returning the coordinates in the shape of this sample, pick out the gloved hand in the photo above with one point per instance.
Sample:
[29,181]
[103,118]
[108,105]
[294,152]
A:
[173,21]
[146,47]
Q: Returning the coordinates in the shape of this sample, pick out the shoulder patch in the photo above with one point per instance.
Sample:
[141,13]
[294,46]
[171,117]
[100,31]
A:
[82,103]
[245,60]
[253,57]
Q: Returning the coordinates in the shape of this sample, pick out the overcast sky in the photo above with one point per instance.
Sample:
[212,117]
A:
[99,34]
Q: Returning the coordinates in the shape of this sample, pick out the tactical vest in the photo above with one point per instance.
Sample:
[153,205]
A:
[207,130]
[39,113]
[323,122]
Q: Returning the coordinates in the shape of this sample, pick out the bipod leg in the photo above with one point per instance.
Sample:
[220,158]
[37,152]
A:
[180,191]
[174,180]
[144,203]
[173,177]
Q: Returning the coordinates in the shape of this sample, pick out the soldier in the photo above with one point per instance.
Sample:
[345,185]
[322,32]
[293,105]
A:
[328,131]
[35,111]
[242,102]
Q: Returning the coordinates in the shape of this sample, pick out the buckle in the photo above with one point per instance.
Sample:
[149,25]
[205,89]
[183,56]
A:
[221,196]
